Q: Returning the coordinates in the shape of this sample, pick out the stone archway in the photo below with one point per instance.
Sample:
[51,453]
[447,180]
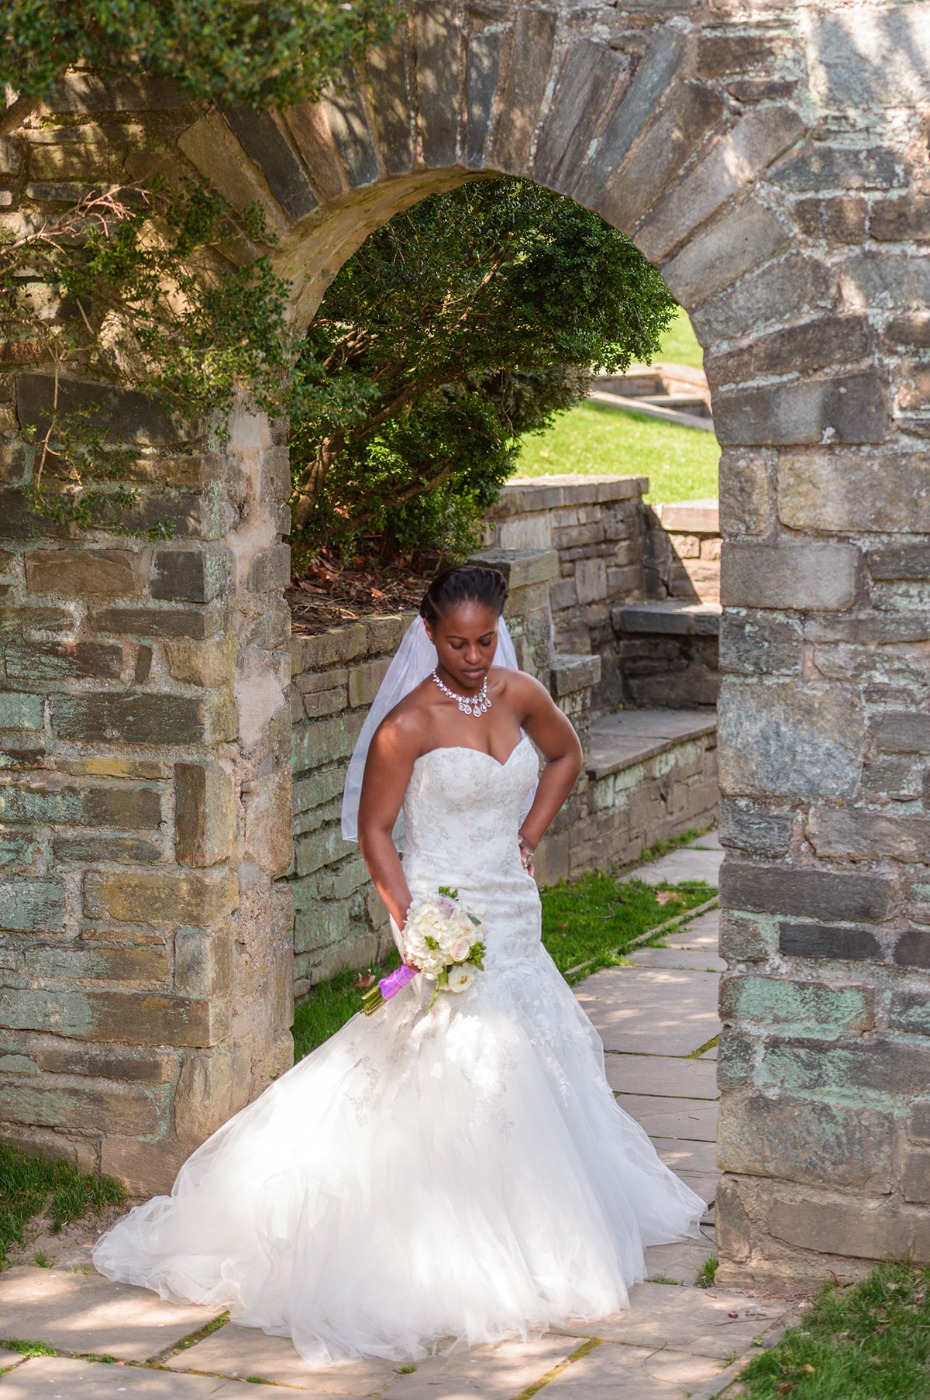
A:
[732,145]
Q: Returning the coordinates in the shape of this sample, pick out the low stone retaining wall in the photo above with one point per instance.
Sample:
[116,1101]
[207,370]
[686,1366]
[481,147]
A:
[668,653]
[637,585]
[667,649]
[649,775]
[682,551]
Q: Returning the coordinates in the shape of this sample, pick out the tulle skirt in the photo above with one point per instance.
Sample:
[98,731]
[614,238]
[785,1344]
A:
[457,1172]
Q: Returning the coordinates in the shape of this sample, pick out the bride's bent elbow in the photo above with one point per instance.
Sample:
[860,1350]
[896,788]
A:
[372,840]
[574,759]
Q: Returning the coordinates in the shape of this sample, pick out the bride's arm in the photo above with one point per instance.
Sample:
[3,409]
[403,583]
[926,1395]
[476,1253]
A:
[387,773]
[554,735]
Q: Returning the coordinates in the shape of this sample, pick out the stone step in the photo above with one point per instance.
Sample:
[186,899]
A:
[652,410]
[520,567]
[570,672]
[668,617]
[699,517]
[662,378]
[682,551]
[630,737]
[682,403]
[650,775]
[632,385]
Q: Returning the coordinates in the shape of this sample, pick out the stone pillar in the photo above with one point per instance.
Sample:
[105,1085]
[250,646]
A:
[824,1062]
[144,799]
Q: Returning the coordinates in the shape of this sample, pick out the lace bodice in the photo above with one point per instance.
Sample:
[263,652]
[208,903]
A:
[462,811]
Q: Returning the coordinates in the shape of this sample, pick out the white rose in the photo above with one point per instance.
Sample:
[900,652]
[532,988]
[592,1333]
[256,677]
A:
[460,949]
[460,978]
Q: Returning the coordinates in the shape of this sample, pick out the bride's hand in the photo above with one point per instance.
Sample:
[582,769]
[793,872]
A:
[526,855]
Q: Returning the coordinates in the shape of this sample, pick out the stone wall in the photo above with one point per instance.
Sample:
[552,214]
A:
[681,556]
[667,649]
[648,776]
[638,586]
[339,919]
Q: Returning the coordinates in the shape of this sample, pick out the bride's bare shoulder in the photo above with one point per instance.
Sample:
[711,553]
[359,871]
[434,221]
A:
[400,733]
[520,688]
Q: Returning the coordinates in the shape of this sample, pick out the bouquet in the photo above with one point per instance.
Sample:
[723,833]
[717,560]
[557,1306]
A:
[444,939]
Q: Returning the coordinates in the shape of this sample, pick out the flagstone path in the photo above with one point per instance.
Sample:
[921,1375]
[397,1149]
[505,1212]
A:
[658,1020]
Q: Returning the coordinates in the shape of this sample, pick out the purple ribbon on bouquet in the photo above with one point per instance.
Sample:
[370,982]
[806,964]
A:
[387,987]
[396,981]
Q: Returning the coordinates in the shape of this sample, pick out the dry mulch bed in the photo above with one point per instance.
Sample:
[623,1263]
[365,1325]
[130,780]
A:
[332,591]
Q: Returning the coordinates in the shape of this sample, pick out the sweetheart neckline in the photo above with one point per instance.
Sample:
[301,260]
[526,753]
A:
[466,748]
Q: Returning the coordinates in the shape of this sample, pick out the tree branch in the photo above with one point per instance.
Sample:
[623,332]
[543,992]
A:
[17,112]
[360,521]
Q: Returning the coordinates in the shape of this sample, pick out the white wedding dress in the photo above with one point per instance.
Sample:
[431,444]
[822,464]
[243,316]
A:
[462,1171]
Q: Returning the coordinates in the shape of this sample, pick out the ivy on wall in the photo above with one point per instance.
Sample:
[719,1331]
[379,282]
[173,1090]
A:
[128,287]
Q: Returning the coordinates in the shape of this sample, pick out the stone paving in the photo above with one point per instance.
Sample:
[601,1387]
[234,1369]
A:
[657,1017]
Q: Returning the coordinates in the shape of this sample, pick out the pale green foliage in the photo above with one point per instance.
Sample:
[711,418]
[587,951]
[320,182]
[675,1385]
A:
[265,54]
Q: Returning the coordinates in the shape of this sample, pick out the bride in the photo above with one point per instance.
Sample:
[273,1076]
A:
[455,1169]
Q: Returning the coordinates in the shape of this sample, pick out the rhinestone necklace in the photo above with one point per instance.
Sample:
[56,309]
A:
[468,704]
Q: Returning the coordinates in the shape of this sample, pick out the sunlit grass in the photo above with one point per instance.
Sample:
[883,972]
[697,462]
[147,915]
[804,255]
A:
[679,344]
[594,920]
[27,1348]
[681,463]
[869,1342]
[329,1005]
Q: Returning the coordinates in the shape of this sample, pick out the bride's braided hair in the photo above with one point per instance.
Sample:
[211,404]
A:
[465,583]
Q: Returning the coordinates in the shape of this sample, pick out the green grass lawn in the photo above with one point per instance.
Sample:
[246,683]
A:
[594,920]
[681,463]
[329,1006]
[869,1342]
[679,344]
